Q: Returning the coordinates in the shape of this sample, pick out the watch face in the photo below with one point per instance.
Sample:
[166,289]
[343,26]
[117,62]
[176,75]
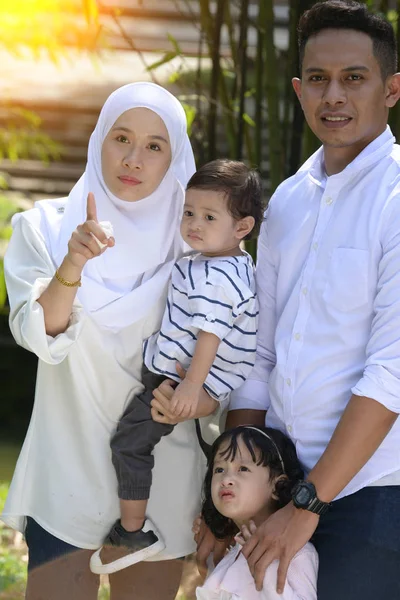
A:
[303,496]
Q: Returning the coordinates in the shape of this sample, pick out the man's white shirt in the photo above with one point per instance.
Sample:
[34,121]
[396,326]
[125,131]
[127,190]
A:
[328,277]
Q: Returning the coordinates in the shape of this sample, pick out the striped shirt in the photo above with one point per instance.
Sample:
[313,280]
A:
[213,294]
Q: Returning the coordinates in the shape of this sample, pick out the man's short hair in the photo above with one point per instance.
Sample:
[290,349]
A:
[346,14]
[241,186]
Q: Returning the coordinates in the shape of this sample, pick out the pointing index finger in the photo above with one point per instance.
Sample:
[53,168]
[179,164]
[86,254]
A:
[91,212]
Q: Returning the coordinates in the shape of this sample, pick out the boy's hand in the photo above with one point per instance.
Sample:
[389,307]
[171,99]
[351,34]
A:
[186,399]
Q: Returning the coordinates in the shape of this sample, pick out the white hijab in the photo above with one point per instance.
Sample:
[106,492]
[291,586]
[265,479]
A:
[121,286]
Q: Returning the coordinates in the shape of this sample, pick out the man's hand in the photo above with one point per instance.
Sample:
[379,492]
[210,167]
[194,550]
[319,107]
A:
[279,537]
[186,398]
[207,544]
[161,404]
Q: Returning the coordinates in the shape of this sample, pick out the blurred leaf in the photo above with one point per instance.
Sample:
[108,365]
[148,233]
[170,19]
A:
[174,43]
[168,56]
[30,117]
[3,291]
[190,112]
[248,120]
[3,182]
[5,233]
[174,77]
[16,143]
[91,11]
[250,93]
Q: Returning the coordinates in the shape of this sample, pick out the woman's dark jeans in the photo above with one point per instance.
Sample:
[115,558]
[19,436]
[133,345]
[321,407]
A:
[43,546]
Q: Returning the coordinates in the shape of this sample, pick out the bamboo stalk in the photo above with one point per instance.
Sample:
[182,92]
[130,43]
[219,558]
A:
[259,96]
[224,100]
[215,77]
[242,76]
[272,94]
[292,68]
[233,47]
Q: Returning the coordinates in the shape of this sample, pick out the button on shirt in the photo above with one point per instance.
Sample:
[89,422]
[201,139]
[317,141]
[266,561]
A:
[328,279]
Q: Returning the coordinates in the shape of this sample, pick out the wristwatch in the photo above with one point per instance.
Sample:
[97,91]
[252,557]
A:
[304,495]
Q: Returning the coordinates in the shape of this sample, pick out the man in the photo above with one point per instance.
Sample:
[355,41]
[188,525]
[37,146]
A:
[328,368]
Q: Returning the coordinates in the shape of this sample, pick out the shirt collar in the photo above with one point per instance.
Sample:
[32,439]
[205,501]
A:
[379,148]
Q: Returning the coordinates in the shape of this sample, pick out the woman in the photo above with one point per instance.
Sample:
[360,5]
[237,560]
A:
[85,308]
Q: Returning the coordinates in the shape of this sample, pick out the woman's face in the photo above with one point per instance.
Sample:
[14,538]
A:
[136,154]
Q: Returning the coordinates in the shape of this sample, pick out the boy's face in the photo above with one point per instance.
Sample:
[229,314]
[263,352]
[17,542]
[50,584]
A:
[342,93]
[206,224]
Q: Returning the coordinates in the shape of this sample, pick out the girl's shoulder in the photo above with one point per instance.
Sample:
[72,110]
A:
[309,551]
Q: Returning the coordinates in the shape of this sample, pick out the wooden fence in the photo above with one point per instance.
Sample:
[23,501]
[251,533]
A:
[68,98]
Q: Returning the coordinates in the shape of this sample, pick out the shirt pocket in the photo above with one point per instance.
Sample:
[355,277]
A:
[347,279]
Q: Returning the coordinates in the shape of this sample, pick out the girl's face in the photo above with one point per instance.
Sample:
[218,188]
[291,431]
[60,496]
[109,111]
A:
[136,154]
[240,489]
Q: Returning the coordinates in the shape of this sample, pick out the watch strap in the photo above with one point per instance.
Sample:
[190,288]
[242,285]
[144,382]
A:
[318,507]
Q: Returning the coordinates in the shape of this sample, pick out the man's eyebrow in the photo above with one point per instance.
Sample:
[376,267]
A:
[356,68]
[345,70]
[152,137]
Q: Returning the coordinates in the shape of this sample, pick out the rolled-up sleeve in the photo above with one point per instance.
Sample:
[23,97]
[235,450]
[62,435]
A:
[28,271]
[253,394]
[381,377]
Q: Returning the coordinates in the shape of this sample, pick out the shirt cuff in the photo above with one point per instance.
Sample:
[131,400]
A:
[380,385]
[209,324]
[51,350]
[253,395]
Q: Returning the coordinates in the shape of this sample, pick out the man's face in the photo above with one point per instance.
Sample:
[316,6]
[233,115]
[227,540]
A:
[342,93]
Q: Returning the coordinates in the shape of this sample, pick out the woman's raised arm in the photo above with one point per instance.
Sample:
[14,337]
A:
[58,297]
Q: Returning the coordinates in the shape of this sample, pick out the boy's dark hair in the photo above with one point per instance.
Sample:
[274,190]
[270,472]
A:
[347,14]
[242,187]
[263,452]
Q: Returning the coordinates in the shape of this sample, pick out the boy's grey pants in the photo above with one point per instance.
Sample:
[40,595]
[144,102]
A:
[134,440]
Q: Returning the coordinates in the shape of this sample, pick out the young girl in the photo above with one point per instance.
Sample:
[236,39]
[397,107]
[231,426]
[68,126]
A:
[250,475]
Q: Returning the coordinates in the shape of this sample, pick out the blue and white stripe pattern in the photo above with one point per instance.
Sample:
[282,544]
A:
[217,295]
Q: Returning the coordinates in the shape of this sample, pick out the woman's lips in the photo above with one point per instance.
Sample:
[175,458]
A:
[129,180]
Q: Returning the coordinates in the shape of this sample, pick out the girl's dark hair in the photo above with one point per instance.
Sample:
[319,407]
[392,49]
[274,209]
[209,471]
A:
[346,14]
[263,452]
[242,187]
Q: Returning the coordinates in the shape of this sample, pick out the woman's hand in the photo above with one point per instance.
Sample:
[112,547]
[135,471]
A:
[161,404]
[83,246]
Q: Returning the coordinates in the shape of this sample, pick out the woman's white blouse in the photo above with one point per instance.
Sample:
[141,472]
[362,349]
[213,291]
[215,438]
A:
[231,579]
[64,477]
